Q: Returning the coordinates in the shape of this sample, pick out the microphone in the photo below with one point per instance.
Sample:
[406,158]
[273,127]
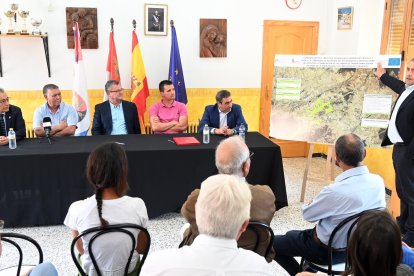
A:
[47,126]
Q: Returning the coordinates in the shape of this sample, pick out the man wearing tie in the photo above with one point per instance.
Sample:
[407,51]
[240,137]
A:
[115,116]
[223,118]
[400,133]
[10,117]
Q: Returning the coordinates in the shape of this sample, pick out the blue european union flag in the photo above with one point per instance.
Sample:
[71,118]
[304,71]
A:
[175,75]
[394,62]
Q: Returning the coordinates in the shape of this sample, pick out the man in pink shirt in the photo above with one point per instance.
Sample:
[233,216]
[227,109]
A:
[168,116]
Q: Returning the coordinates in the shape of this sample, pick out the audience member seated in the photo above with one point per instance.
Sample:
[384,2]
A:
[107,171]
[63,116]
[168,116]
[10,117]
[375,247]
[353,191]
[222,212]
[232,158]
[115,116]
[223,118]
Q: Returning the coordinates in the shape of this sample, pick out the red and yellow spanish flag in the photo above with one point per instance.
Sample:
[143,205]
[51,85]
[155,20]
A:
[139,84]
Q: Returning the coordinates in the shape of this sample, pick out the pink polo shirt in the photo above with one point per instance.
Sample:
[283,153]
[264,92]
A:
[168,114]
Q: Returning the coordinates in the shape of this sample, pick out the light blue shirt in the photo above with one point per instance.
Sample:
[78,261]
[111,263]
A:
[65,113]
[353,191]
[118,120]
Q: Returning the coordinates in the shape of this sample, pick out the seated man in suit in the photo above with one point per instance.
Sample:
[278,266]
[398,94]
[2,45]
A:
[168,116]
[223,118]
[222,212]
[63,116]
[10,117]
[115,116]
[233,158]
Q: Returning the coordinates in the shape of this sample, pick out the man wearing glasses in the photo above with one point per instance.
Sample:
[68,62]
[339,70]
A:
[10,117]
[115,116]
[223,118]
[233,158]
[63,117]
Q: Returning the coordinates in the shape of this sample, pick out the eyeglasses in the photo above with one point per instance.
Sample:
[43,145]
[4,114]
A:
[116,91]
[6,100]
[250,156]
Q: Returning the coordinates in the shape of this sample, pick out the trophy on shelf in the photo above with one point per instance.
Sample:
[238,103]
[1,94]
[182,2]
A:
[14,8]
[10,14]
[24,15]
[36,23]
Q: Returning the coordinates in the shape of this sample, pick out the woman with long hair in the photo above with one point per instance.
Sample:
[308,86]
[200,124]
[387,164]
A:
[375,247]
[107,172]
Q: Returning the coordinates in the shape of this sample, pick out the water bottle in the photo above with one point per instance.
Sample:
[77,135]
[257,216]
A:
[206,134]
[242,131]
[12,139]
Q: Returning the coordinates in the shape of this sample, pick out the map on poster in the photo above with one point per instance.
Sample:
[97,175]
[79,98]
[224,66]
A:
[319,98]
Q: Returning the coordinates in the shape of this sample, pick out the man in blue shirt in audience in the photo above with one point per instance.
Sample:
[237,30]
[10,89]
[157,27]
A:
[115,116]
[354,190]
[64,118]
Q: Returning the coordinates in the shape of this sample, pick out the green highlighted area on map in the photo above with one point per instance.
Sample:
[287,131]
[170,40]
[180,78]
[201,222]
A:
[288,89]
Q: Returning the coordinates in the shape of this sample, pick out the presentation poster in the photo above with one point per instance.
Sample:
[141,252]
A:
[319,98]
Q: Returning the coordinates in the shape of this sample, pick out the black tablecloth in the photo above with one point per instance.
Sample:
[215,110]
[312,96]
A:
[39,181]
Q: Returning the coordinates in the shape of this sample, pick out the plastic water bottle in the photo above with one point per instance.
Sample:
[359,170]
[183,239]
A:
[12,139]
[206,134]
[242,131]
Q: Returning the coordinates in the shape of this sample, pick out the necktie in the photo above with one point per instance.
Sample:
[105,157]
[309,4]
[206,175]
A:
[2,126]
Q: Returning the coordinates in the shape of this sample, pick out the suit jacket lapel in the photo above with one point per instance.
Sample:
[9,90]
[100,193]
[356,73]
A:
[8,117]
[406,101]
[107,114]
[215,116]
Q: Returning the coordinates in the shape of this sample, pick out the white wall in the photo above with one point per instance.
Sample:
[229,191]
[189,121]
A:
[24,65]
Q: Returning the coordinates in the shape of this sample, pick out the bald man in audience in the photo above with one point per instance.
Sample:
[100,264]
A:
[222,212]
[10,117]
[233,158]
[354,190]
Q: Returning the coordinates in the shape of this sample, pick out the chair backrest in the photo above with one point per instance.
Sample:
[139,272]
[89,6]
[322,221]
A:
[352,222]
[260,238]
[120,228]
[10,238]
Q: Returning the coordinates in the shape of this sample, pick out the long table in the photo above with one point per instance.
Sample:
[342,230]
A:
[39,181]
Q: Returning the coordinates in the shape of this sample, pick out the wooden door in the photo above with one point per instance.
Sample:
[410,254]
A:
[284,37]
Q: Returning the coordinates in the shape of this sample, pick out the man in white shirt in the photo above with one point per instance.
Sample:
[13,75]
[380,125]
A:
[222,212]
[400,133]
[354,190]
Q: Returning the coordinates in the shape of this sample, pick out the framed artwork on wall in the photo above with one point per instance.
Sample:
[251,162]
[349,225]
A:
[88,27]
[156,19]
[213,38]
[345,15]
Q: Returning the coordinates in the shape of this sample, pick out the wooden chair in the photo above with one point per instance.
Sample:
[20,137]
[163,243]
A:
[99,231]
[11,237]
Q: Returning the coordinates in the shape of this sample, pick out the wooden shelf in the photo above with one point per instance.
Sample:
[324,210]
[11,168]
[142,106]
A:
[45,40]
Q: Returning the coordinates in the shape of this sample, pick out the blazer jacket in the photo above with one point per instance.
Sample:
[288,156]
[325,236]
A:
[405,116]
[102,119]
[262,208]
[14,119]
[211,117]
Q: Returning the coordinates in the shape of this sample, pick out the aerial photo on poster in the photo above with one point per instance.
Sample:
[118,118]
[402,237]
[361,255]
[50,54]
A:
[318,98]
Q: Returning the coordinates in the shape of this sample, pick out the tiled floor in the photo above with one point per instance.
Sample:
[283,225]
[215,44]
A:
[55,240]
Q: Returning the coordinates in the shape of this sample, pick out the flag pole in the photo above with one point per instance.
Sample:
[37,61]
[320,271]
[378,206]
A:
[112,24]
